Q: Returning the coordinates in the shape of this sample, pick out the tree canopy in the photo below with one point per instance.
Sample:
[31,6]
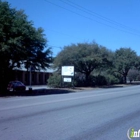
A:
[91,58]
[124,60]
[20,42]
[84,56]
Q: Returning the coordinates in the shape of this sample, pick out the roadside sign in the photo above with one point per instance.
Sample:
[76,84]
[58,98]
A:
[67,71]
[67,80]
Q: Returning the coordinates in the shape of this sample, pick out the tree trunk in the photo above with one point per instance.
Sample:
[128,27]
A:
[87,79]
[124,78]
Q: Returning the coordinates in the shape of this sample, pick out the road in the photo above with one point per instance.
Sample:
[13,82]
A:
[101,114]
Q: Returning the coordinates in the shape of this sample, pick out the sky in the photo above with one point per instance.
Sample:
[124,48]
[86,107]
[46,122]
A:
[110,23]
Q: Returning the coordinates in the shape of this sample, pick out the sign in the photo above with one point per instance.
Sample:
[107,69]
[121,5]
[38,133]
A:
[67,80]
[67,71]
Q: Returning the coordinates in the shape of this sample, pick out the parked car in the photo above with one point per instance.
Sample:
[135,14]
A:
[16,86]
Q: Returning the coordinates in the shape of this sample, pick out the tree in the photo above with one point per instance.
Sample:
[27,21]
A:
[20,43]
[84,56]
[133,74]
[124,60]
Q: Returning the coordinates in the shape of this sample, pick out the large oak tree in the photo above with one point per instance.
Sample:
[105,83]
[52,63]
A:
[85,57]
[20,42]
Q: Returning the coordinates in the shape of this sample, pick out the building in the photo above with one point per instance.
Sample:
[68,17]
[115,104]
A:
[38,77]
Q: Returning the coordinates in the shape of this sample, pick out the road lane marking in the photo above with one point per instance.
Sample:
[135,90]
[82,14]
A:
[55,101]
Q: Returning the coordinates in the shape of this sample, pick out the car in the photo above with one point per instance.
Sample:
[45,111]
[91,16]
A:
[16,86]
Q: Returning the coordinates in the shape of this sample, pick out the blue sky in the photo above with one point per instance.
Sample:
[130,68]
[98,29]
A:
[111,23]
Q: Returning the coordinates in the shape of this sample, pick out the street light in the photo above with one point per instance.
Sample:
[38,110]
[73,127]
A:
[30,80]
[30,87]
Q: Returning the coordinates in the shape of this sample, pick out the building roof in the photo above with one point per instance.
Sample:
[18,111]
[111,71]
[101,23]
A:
[47,70]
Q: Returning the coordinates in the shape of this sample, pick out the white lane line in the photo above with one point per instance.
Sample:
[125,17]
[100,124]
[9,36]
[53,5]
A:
[55,101]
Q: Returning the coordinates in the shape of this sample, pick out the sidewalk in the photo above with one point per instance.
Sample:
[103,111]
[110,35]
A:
[38,87]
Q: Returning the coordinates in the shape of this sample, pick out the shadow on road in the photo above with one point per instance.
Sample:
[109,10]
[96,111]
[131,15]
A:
[112,86]
[121,85]
[38,92]
[44,91]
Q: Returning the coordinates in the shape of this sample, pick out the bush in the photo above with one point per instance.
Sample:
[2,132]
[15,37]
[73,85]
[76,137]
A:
[80,80]
[54,80]
[100,80]
[112,80]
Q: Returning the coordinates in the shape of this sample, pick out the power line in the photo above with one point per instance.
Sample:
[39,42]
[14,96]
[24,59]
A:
[67,9]
[123,26]
[97,15]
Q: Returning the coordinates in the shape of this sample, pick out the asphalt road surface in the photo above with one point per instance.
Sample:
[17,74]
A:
[102,114]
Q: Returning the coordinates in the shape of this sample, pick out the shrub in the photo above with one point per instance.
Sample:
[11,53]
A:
[100,80]
[55,80]
[112,79]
